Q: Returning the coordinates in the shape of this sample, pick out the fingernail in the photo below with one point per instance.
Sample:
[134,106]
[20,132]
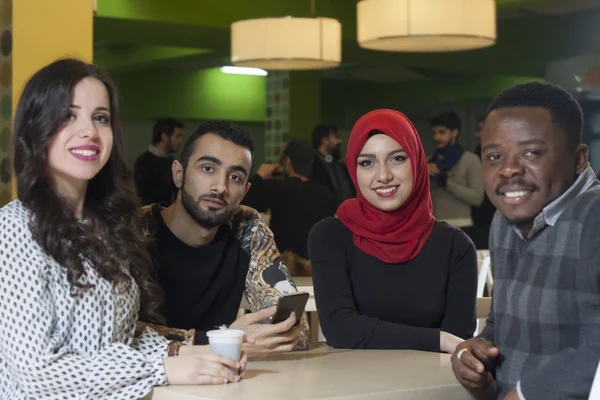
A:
[237,378]
[225,381]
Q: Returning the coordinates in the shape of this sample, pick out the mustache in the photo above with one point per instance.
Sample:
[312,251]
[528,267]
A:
[219,197]
[519,182]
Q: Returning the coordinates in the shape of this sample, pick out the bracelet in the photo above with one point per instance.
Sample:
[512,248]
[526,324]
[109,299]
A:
[173,349]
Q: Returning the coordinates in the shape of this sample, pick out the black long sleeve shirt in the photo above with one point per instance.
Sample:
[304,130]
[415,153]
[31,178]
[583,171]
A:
[296,206]
[154,179]
[364,303]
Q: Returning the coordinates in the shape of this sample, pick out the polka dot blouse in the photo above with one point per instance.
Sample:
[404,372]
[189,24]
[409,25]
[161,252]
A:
[56,346]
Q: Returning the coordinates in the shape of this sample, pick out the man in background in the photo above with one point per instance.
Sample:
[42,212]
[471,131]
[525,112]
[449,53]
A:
[296,202]
[327,167]
[456,182]
[152,170]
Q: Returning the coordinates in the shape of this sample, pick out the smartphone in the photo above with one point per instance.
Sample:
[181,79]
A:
[294,302]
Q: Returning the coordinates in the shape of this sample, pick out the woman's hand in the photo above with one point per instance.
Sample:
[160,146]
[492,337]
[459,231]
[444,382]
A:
[203,368]
[448,342]
[195,351]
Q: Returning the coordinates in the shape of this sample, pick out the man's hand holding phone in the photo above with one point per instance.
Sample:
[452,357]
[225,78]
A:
[269,338]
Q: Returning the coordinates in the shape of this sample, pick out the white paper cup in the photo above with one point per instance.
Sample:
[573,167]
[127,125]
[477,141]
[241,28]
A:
[226,342]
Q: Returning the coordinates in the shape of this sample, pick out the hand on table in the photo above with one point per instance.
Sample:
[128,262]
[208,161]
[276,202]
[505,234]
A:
[468,362]
[448,342]
[198,351]
[203,368]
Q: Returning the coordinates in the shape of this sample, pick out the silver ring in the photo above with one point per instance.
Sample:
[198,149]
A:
[461,352]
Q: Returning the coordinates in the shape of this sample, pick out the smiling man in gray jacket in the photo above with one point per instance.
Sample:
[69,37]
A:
[541,338]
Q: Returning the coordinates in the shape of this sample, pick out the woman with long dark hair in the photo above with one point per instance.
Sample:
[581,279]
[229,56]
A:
[73,264]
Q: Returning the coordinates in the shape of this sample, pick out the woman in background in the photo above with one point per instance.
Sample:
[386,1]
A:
[386,274]
[73,265]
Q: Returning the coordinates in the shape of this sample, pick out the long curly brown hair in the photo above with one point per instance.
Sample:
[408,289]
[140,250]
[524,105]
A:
[112,237]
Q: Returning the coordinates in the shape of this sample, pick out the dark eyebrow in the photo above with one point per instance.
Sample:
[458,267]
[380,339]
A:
[97,108]
[215,160]
[522,143]
[532,141]
[211,159]
[489,147]
[240,168]
[391,153]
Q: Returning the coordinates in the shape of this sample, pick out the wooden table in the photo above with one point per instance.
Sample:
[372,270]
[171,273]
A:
[326,373]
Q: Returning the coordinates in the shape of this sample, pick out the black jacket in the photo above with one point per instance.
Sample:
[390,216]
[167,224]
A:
[322,173]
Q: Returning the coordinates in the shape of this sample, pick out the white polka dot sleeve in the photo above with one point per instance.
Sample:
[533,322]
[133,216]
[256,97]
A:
[152,344]
[57,346]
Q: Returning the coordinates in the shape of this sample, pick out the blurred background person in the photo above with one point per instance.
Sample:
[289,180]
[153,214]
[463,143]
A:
[296,203]
[327,167]
[456,181]
[152,170]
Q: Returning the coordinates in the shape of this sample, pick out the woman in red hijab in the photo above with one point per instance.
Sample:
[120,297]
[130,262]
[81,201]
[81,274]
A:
[386,274]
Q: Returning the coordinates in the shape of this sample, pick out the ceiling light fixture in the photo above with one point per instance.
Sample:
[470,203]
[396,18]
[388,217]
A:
[426,25]
[287,43]
[244,71]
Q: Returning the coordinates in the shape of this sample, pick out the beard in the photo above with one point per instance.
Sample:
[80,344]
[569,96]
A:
[205,218]
[171,149]
[336,152]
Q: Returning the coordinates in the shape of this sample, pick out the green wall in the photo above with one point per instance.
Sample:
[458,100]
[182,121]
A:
[339,97]
[193,95]
[138,134]
[305,103]
[211,94]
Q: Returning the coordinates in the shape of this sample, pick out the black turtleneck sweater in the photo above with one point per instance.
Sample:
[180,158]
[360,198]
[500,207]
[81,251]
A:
[365,303]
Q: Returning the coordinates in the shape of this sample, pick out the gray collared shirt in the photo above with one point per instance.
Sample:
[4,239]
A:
[545,314]
[553,211]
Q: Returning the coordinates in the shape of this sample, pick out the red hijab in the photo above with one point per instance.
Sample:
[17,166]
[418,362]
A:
[391,236]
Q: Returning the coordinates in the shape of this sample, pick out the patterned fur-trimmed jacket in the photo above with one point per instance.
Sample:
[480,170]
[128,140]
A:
[263,287]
